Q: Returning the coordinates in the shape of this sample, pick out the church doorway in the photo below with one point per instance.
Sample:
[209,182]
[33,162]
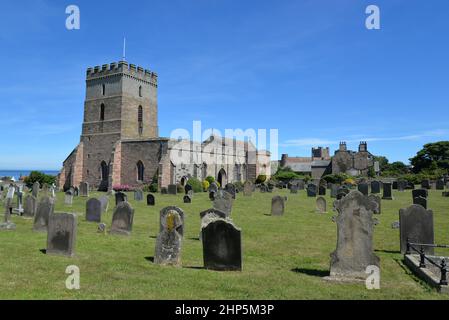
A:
[222,178]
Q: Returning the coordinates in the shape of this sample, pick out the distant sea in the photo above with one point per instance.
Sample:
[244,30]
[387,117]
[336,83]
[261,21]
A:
[17,173]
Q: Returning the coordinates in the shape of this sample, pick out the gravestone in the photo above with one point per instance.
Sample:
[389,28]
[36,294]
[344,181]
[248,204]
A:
[222,246]
[321,191]
[169,240]
[420,193]
[104,200]
[363,188]
[172,189]
[395,185]
[120,197]
[445,194]
[247,189]
[187,199]
[223,202]
[375,198]
[402,185]
[61,236]
[210,215]
[44,189]
[36,187]
[213,187]
[84,189]
[375,187]
[7,224]
[163,217]
[387,194]
[311,190]
[164,190]
[230,188]
[277,206]
[44,209]
[440,184]
[187,188]
[263,188]
[76,192]
[425,184]
[150,200]
[334,190]
[138,195]
[122,219]
[93,210]
[416,224]
[321,205]
[68,198]
[301,185]
[294,188]
[355,226]
[420,201]
[30,206]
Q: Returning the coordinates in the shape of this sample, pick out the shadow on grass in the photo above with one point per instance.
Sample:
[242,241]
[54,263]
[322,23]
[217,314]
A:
[388,251]
[197,239]
[151,259]
[194,267]
[267,214]
[312,272]
[44,251]
[153,237]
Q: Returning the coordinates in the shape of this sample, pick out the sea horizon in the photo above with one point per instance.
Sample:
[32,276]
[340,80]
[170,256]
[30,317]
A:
[17,173]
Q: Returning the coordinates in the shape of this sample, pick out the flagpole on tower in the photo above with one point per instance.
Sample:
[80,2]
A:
[124,49]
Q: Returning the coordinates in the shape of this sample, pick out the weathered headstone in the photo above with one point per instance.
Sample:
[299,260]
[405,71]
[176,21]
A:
[387,194]
[395,185]
[84,189]
[61,236]
[416,225]
[311,190]
[375,198]
[223,202]
[425,184]
[120,197]
[187,188]
[138,195]
[150,200]
[76,192]
[68,198]
[322,191]
[93,210]
[230,188]
[164,190]
[104,200]
[402,185]
[163,217]
[440,184]
[277,206]
[334,190]
[122,219]
[321,205]
[45,208]
[172,189]
[30,206]
[355,226]
[247,189]
[375,187]
[294,188]
[222,246]
[36,187]
[169,240]
[363,188]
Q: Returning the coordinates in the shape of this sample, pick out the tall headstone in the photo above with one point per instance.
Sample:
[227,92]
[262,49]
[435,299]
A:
[223,202]
[122,219]
[36,187]
[45,208]
[277,206]
[169,240]
[321,205]
[93,210]
[222,246]
[355,226]
[163,217]
[387,194]
[84,189]
[294,188]
[416,224]
[61,236]
[402,185]
[30,206]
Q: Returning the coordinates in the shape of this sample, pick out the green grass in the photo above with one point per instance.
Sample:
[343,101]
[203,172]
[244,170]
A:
[283,257]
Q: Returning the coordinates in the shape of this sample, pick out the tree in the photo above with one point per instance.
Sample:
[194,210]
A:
[433,156]
[39,177]
[383,162]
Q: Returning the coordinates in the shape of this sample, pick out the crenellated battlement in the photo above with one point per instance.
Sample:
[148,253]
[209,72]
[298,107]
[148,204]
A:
[121,67]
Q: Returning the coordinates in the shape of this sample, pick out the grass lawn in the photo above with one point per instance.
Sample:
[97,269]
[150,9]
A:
[283,257]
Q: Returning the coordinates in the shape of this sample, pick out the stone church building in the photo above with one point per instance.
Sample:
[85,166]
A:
[120,143]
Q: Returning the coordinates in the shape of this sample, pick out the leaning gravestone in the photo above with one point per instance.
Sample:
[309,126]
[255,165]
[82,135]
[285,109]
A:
[321,205]
[122,219]
[138,195]
[355,226]
[93,210]
[104,200]
[363,188]
[172,189]
[169,240]
[421,201]
[387,194]
[120,197]
[230,188]
[30,206]
[222,246]
[163,217]
[375,187]
[223,202]
[150,200]
[248,189]
[36,187]
[61,236]
[420,193]
[311,190]
[84,189]
[45,208]
[68,198]
[277,206]
[416,224]
[375,198]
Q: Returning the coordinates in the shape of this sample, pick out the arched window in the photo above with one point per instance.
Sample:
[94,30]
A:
[140,171]
[104,168]
[140,91]
[140,119]
[103,89]
[102,112]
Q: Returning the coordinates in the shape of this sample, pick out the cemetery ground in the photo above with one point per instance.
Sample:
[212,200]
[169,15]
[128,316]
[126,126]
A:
[284,257]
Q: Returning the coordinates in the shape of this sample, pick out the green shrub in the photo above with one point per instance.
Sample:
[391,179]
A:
[238,185]
[338,178]
[261,178]
[179,188]
[206,185]
[152,188]
[39,177]
[195,184]
[210,179]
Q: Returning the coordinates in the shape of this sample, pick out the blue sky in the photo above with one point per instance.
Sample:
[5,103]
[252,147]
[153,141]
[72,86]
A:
[308,68]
